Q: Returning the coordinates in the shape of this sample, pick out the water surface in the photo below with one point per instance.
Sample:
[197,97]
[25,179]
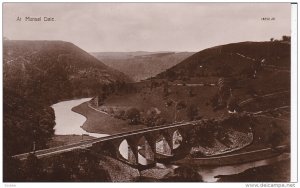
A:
[69,122]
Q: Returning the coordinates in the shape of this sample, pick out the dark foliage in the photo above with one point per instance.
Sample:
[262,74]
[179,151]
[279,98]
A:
[203,135]
[69,167]
[25,122]
[133,115]
[183,174]
[206,134]
[192,112]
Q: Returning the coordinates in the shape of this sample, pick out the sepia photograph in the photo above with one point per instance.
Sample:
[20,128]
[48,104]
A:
[147,92]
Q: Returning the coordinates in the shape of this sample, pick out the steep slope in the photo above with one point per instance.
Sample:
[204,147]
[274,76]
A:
[141,65]
[54,70]
[231,60]
[239,70]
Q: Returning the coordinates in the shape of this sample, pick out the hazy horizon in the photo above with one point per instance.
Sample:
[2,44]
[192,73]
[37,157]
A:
[149,27]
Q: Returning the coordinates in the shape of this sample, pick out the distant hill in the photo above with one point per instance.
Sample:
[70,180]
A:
[141,65]
[37,74]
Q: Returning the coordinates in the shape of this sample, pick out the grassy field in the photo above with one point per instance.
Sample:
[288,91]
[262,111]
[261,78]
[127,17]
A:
[61,140]
[98,122]
[155,98]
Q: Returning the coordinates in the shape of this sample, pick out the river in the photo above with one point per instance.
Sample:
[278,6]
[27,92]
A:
[69,123]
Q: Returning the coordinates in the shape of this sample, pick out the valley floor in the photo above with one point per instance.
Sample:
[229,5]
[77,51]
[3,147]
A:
[98,122]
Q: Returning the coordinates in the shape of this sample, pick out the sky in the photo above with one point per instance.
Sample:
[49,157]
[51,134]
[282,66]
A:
[124,27]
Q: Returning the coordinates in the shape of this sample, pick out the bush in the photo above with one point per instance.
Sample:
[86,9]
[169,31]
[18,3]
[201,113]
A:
[133,115]
[181,105]
[192,112]
[120,114]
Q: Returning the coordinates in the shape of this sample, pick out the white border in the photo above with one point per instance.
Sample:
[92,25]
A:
[294,112]
[294,90]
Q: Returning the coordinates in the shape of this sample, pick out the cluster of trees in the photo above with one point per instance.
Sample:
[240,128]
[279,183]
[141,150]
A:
[224,97]
[206,134]
[134,117]
[152,118]
[192,112]
[25,122]
[68,167]
[283,38]
[183,174]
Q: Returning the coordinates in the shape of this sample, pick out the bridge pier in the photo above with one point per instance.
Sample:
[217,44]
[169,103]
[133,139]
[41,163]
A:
[133,157]
[149,152]
[167,147]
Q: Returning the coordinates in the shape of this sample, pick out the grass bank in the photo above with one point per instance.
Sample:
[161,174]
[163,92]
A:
[98,122]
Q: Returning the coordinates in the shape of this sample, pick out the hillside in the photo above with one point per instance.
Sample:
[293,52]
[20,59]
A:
[141,65]
[37,74]
[231,60]
[240,71]
[54,70]
[215,82]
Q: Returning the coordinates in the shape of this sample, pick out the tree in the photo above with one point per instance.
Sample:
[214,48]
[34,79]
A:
[192,112]
[191,92]
[202,135]
[224,70]
[183,174]
[214,101]
[133,115]
[171,75]
[276,135]
[12,171]
[181,105]
[232,104]
[59,172]
[33,168]
[286,38]
[120,114]
[166,89]
[151,118]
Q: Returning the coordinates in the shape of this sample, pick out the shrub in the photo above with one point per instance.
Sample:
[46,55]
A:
[133,115]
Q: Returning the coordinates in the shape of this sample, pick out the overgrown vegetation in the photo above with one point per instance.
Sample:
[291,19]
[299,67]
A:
[207,133]
[74,166]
